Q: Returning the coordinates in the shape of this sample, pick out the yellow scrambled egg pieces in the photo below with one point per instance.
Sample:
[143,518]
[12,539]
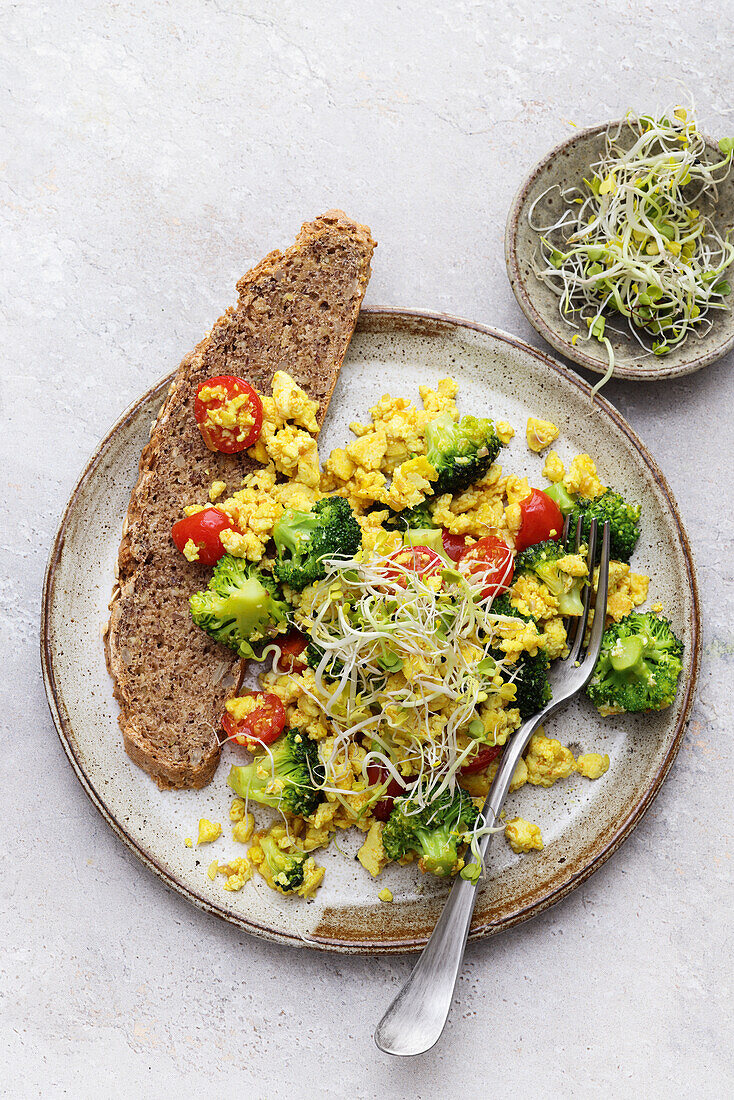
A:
[523,836]
[581,478]
[540,434]
[233,418]
[372,854]
[627,590]
[209,831]
[553,468]
[592,765]
[547,760]
[393,447]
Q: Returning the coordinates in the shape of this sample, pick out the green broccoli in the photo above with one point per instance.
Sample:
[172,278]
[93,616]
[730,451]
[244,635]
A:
[529,674]
[531,682]
[561,497]
[638,667]
[314,654]
[304,540]
[623,520]
[286,867]
[418,518]
[542,559]
[435,832]
[461,451]
[289,777]
[240,605]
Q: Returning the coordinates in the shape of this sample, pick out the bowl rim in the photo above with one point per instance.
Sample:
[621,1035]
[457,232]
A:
[430,322]
[525,298]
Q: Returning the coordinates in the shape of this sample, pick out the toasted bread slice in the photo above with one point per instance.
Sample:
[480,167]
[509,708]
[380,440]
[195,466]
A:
[296,312]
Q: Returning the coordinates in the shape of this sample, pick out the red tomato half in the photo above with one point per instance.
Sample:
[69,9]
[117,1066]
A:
[226,421]
[204,529]
[264,724]
[419,559]
[291,648]
[489,563]
[377,773]
[482,760]
[454,545]
[541,519]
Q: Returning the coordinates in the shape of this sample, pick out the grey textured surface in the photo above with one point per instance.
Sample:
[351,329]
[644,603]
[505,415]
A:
[151,152]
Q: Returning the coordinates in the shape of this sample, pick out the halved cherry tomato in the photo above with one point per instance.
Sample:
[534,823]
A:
[229,413]
[377,773]
[262,725]
[203,529]
[419,559]
[489,563]
[482,760]
[291,648]
[541,519]
[454,545]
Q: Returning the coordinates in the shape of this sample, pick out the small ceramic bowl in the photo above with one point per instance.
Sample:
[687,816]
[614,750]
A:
[564,167]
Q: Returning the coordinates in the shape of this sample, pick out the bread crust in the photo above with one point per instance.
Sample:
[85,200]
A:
[296,311]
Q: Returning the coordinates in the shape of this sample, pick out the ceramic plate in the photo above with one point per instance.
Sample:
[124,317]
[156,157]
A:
[564,167]
[582,822]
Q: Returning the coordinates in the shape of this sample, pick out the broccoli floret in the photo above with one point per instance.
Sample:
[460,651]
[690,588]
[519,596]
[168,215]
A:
[286,867]
[461,451]
[418,518]
[531,682]
[289,777]
[304,540]
[239,606]
[314,654]
[435,832]
[623,521]
[529,674]
[542,559]
[560,496]
[638,667]
[501,606]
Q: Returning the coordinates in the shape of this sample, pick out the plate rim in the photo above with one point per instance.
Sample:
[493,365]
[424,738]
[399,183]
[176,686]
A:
[526,301]
[369,947]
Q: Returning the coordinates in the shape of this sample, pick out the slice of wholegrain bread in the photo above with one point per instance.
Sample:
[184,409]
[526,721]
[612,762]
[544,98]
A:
[296,312]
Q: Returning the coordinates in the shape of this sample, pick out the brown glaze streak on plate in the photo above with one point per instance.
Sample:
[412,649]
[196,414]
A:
[513,892]
[564,167]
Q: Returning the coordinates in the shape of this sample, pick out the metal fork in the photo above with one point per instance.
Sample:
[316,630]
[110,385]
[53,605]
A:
[414,1021]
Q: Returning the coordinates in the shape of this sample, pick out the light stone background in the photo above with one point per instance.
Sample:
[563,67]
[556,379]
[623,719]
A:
[151,152]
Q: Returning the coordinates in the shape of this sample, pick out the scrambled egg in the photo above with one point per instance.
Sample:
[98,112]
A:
[553,468]
[627,590]
[385,894]
[372,854]
[540,434]
[592,765]
[523,836]
[581,478]
[547,760]
[292,403]
[209,831]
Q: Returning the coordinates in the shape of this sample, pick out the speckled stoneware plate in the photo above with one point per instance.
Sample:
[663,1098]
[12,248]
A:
[564,167]
[582,822]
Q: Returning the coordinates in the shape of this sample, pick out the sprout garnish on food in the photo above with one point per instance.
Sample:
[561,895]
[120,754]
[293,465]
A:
[637,239]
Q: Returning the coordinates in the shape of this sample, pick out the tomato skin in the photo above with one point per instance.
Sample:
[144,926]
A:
[490,560]
[261,726]
[378,773]
[420,559]
[482,760]
[291,648]
[225,439]
[203,528]
[542,519]
[454,545]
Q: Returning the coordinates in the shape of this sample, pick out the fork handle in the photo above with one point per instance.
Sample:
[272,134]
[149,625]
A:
[414,1021]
